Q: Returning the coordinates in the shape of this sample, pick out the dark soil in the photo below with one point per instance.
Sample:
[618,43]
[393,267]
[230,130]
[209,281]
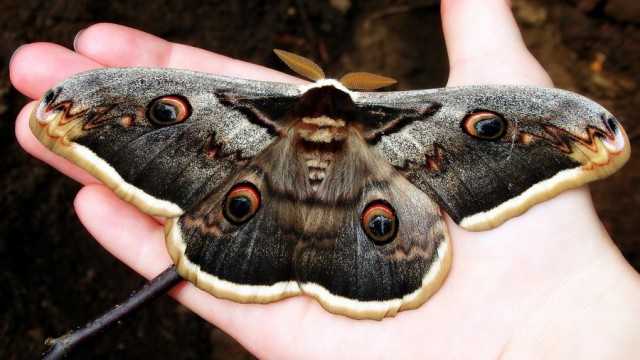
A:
[54,277]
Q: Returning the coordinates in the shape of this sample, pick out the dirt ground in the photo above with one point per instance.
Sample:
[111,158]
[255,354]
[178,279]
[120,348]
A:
[54,276]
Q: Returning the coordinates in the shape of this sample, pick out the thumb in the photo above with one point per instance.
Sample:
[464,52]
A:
[485,46]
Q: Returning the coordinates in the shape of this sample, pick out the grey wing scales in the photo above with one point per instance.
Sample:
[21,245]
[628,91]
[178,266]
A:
[553,140]
[99,120]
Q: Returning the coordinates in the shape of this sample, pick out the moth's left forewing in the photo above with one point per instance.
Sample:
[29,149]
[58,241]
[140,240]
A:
[488,153]
[103,121]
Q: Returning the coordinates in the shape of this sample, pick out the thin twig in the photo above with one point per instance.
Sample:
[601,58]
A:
[399,9]
[158,286]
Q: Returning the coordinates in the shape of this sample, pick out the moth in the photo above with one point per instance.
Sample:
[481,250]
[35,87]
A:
[272,190]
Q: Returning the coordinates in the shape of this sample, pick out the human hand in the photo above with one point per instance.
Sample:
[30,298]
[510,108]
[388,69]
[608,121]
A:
[537,283]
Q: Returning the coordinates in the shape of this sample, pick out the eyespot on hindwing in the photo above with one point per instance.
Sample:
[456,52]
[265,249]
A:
[379,222]
[241,203]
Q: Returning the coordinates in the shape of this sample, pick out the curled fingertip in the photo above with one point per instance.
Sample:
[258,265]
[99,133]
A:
[485,45]
[75,40]
[24,136]
[16,67]
[15,53]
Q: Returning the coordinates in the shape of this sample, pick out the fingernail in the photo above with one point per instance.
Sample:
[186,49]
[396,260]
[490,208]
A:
[75,40]
[15,52]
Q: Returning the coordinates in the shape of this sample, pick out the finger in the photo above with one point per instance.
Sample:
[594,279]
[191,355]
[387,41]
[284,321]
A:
[485,46]
[114,45]
[37,67]
[266,330]
[33,76]
[28,141]
[133,237]
[138,241]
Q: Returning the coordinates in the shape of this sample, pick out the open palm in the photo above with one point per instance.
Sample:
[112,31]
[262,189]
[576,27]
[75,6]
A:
[548,282]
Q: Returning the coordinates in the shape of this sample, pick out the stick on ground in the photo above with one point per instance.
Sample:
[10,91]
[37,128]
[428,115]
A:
[158,286]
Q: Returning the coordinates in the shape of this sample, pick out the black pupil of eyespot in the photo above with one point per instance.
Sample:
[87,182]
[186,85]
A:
[164,112]
[488,127]
[240,206]
[612,124]
[380,225]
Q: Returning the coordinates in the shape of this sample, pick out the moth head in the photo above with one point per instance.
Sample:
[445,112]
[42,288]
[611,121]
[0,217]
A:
[313,72]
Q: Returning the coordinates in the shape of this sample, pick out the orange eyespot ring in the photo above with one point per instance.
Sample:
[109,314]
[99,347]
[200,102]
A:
[241,203]
[168,110]
[379,222]
[484,125]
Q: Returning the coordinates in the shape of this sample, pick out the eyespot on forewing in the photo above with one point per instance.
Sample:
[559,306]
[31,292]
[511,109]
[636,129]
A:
[484,125]
[168,110]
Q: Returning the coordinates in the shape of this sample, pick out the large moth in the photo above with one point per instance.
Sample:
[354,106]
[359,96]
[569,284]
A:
[272,190]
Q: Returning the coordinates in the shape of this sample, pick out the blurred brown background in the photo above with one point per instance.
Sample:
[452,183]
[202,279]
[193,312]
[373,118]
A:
[54,277]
